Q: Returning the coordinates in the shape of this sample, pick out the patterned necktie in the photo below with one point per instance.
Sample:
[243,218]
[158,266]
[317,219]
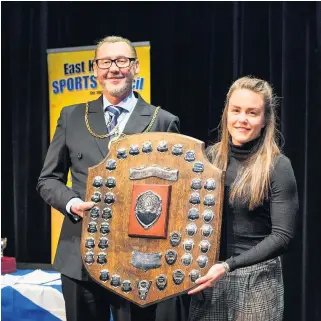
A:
[114,113]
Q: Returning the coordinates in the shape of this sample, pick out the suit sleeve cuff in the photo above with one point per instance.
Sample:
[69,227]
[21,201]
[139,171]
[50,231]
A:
[72,202]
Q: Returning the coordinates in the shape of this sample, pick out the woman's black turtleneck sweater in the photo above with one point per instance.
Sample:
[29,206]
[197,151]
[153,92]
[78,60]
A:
[250,237]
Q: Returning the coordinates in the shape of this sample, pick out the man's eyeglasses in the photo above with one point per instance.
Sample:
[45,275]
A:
[122,62]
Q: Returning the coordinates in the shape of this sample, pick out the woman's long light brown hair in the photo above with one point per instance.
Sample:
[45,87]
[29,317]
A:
[251,185]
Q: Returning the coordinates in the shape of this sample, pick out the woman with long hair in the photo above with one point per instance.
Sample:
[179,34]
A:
[259,212]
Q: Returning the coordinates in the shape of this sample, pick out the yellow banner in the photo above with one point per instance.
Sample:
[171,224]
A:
[71,81]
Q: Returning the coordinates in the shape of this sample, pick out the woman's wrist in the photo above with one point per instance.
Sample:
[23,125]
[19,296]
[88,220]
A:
[226,267]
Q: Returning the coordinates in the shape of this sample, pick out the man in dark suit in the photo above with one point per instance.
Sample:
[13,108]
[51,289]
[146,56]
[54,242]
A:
[81,140]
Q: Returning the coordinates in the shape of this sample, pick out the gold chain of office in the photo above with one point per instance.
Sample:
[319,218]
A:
[114,130]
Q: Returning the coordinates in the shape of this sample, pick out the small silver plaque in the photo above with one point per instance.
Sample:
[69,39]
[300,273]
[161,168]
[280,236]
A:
[206,230]
[98,181]
[177,150]
[147,147]
[115,281]
[134,150]
[190,156]
[102,258]
[202,261]
[111,164]
[110,182]
[94,213]
[162,146]
[121,153]
[104,276]
[178,277]
[90,243]
[175,239]
[209,200]
[193,214]
[109,198]
[170,257]
[96,197]
[191,229]
[187,259]
[198,167]
[161,282]
[89,258]
[194,275]
[92,227]
[188,245]
[196,184]
[107,213]
[208,216]
[204,246]
[126,286]
[195,198]
[210,184]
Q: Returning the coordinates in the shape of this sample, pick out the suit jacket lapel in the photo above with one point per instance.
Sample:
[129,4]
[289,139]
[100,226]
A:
[139,119]
[97,124]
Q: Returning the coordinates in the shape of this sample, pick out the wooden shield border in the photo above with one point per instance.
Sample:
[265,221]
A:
[114,269]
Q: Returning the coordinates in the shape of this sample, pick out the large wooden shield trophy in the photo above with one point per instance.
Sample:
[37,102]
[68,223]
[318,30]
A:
[156,224]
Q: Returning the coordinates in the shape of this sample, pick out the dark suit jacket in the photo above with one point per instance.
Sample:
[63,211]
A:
[74,147]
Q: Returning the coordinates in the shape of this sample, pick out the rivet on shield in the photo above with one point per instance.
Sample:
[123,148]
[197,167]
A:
[178,277]
[161,282]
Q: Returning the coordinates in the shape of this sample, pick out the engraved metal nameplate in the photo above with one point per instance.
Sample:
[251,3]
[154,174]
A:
[146,261]
[153,171]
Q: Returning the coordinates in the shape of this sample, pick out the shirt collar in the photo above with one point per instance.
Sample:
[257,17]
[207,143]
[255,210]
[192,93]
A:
[128,103]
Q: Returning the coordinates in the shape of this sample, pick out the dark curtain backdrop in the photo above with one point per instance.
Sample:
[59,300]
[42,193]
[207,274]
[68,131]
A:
[198,50]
